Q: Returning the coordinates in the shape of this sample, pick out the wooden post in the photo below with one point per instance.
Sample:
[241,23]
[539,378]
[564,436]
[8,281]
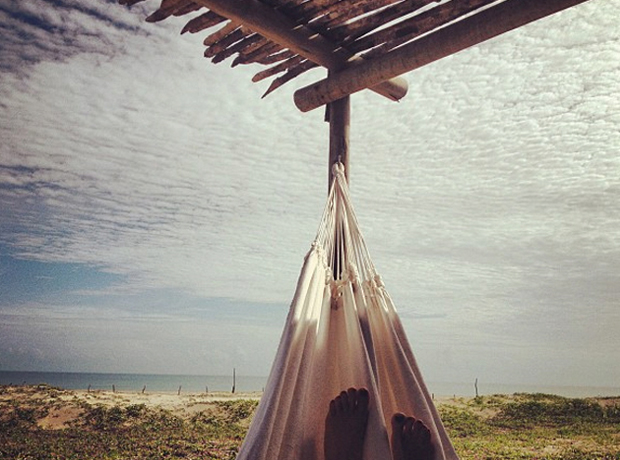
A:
[339,117]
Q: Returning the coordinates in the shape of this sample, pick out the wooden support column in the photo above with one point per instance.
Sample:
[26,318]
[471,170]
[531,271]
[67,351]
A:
[339,117]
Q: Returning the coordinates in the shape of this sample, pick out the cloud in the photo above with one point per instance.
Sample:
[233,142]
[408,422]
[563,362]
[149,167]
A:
[489,197]
[40,30]
[157,170]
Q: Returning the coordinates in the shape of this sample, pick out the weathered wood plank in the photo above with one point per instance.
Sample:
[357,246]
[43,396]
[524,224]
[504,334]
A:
[129,2]
[238,47]
[189,8]
[229,40]
[267,49]
[359,11]
[351,30]
[404,31]
[204,21]
[282,67]
[309,10]
[342,13]
[246,55]
[279,29]
[289,75]
[463,34]
[167,9]
[219,34]
[269,59]
[301,40]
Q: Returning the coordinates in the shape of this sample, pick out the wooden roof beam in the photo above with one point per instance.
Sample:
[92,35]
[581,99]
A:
[463,34]
[282,30]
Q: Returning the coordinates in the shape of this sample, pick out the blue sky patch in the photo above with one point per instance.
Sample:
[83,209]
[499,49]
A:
[31,280]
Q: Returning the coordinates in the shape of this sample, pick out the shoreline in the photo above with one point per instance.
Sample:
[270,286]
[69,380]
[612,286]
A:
[220,384]
[223,395]
[175,399]
[193,383]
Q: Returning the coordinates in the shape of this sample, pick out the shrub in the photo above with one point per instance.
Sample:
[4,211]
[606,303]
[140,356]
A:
[551,411]
[461,422]
[237,410]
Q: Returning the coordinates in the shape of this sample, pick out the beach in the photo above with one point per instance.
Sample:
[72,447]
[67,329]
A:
[44,422]
[66,406]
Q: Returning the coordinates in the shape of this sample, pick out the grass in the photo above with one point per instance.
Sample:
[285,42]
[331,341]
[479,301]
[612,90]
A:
[534,427]
[119,432]
[520,426]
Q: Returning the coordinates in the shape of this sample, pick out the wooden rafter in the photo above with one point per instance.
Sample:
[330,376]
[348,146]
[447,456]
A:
[463,34]
[298,38]
[349,38]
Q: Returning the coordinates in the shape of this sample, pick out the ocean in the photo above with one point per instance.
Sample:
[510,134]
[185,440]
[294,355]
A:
[135,382]
[208,383]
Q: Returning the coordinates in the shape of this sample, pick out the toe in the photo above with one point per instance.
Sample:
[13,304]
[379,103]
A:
[398,420]
[351,399]
[339,402]
[343,401]
[363,399]
[419,430]
[333,407]
[408,425]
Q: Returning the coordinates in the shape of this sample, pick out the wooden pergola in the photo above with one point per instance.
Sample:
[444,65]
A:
[362,43]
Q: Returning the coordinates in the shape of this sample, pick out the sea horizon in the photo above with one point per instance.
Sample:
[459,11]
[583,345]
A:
[189,383]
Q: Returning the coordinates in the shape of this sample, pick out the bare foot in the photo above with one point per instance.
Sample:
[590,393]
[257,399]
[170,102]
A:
[345,425]
[411,439]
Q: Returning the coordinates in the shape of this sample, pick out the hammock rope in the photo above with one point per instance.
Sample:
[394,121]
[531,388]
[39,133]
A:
[342,331]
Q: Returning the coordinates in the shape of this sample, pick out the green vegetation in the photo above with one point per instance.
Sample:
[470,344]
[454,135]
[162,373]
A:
[534,427]
[129,432]
[40,423]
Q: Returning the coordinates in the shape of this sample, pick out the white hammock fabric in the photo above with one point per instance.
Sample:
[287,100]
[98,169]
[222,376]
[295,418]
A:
[340,333]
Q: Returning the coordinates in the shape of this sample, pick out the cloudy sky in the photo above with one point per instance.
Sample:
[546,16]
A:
[155,211]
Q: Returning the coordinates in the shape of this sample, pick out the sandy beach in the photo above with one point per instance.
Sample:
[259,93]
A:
[66,406]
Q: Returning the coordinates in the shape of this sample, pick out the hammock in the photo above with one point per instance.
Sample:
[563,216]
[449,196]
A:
[342,331]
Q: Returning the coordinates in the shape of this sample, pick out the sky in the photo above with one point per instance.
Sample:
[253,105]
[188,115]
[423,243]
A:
[155,211]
